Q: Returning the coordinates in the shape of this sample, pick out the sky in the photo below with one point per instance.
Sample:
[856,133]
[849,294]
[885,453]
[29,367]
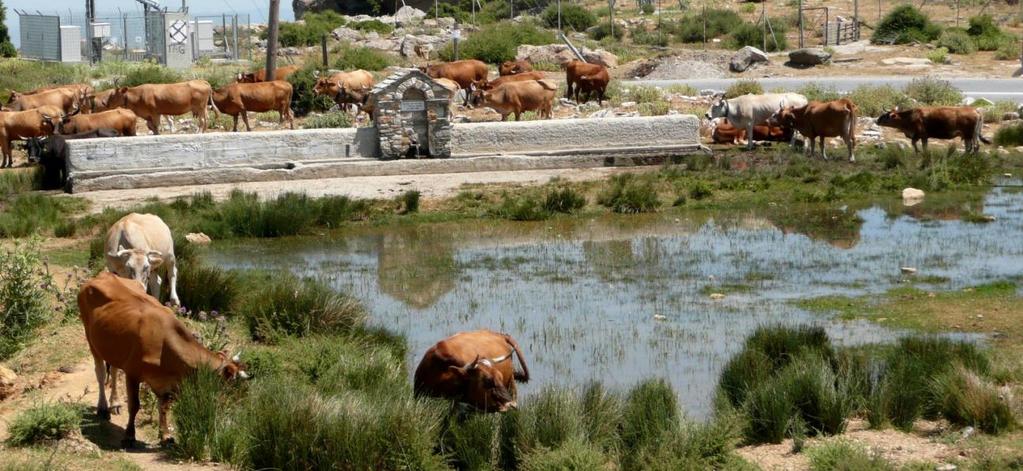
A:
[258,9]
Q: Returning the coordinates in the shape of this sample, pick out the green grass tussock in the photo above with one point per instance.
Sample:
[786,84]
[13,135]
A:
[965,398]
[1009,136]
[934,92]
[498,43]
[198,414]
[25,286]
[628,193]
[837,455]
[905,24]
[744,87]
[44,421]
[206,288]
[957,41]
[288,306]
[353,57]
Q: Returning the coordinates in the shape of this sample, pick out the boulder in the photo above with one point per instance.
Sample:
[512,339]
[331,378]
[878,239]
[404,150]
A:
[198,238]
[419,46]
[7,379]
[1010,116]
[383,44]
[907,61]
[347,34]
[809,57]
[601,57]
[912,196]
[407,15]
[561,54]
[744,58]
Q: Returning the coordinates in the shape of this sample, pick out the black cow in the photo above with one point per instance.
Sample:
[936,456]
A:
[51,152]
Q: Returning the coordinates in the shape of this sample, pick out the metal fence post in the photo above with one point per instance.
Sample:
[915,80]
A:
[234,34]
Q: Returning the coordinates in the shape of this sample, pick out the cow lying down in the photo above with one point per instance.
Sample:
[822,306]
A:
[475,368]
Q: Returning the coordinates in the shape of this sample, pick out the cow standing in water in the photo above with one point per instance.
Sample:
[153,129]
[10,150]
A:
[475,368]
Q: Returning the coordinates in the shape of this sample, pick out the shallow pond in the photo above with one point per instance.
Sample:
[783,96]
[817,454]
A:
[581,294]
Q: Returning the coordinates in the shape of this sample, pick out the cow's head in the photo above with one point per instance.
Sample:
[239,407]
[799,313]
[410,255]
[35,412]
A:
[231,366]
[483,385]
[784,117]
[477,95]
[719,109]
[49,123]
[510,68]
[13,97]
[117,97]
[891,119]
[136,264]
[246,77]
[326,86]
[62,126]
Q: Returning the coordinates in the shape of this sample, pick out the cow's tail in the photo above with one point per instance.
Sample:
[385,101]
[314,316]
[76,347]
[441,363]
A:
[213,105]
[979,131]
[520,376]
[852,109]
[548,84]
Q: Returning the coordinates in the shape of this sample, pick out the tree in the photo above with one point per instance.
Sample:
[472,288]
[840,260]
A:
[6,48]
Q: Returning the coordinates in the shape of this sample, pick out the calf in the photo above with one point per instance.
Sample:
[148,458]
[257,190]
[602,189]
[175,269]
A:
[939,122]
[140,247]
[52,154]
[152,101]
[836,118]
[724,133]
[474,368]
[518,97]
[130,331]
[121,120]
[240,98]
[514,67]
[523,77]
[464,72]
[576,70]
[16,125]
[748,110]
[280,73]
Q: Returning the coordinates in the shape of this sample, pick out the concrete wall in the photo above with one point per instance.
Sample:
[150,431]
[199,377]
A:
[196,159]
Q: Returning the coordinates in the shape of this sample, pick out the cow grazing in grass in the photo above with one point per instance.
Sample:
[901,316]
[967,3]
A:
[17,125]
[514,67]
[152,101]
[241,98]
[938,122]
[120,119]
[836,118]
[140,247]
[280,73]
[519,97]
[749,110]
[129,330]
[474,368]
[465,73]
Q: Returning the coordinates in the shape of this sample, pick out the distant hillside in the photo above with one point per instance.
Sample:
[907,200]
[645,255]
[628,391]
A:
[357,7]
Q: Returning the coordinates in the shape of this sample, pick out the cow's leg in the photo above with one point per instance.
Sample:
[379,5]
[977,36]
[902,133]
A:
[115,400]
[8,160]
[291,116]
[235,119]
[850,143]
[915,149]
[153,122]
[102,408]
[153,287]
[809,150]
[504,117]
[824,149]
[170,123]
[132,385]
[245,117]
[924,141]
[749,135]
[172,273]
[165,404]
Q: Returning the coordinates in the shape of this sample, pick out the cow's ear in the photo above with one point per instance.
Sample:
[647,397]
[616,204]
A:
[155,258]
[459,371]
[122,90]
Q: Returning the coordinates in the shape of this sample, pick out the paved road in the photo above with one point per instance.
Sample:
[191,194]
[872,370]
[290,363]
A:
[992,89]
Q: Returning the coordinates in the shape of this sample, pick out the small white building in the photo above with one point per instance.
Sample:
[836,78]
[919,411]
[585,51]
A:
[70,43]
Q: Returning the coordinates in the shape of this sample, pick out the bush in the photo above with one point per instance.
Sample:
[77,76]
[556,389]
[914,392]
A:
[573,16]
[549,419]
[498,43]
[197,412]
[150,73]
[576,455]
[303,99]
[749,34]
[994,113]
[957,42]
[24,286]
[602,417]
[373,25]
[206,288]
[987,35]
[472,440]
[720,21]
[330,119]
[700,190]
[628,194]
[359,57]
[814,91]
[409,202]
[656,108]
[744,87]
[938,56]
[309,32]
[965,399]
[872,101]
[522,208]
[651,409]
[604,30]
[1008,50]
[905,24]
[45,421]
[1009,136]
[288,306]
[564,200]
[845,455]
[934,92]
[640,35]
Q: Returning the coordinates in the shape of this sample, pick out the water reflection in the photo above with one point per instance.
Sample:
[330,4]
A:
[581,295]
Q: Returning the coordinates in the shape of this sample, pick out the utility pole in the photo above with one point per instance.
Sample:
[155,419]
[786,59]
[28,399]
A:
[271,39]
[801,24]
[763,16]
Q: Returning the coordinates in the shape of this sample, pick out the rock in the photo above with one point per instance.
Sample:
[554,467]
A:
[908,270]
[601,57]
[809,56]
[1010,116]
[7,379]
[912,196]
[66,369]
[419,46]
[198,238]
[660,317]
[347,34]
[967,433]
[389,45]
[604,113]
[717,296]
[744,58]
[710,92]
[407,15]
[560,54]
[628,104]
[908,61]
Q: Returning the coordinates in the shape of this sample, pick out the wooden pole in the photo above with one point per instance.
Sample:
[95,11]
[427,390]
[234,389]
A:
[763,16]
[323,50]
[271,39]
[801,24]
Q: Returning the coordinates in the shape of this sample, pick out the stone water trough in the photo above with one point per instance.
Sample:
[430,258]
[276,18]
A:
[412,135]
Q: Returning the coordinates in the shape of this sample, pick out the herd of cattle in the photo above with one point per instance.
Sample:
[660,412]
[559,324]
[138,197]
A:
[128,330]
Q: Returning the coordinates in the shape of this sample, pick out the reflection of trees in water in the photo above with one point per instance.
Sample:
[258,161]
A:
[615,260]
[838,227]
[415,266]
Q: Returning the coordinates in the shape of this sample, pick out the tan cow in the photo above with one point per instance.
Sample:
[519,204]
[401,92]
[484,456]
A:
[64,98]
[140,247]
[129,330]
[475,368]
[152,101]
[464,72]
[518,97]
[280,73]
[240,98]
[523,77]
[514,67]
[15,125]
[122,120]
[80,88]
[342,86]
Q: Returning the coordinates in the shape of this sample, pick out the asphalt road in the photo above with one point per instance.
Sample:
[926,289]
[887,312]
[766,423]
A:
[992,89]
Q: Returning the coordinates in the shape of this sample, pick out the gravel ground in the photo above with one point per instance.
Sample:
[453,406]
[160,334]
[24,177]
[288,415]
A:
[694,65]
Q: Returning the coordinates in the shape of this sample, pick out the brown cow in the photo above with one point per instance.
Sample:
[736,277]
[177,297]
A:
[347,82]
[939,122]
[130,331]
[80,88]
[280,73]
[66,99]
[475,368]
[120,119]
[592,74]
[240,98]
[15,125]
[836,118]
[514,67]
[464,72]
[725,133]
[523,77]
[151,101]
[517,97]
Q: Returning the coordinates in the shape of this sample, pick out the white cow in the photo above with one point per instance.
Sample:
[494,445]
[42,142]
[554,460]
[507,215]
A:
[748,110]
[137,246]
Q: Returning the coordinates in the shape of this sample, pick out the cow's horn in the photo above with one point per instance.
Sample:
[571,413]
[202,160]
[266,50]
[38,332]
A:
[243,375]
[472,365]
[237,357]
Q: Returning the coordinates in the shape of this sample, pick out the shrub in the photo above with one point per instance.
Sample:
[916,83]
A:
[310,31]
[12,183]
[31,213]
[373,25]
[549,419]
[1010,135]
[938,56]
[522,208]
[628,194]
[303,99]
[640,35]
[292,307]
[150,73]
[749,34]
[965,399]
[409,202]
[604,30]
[655,108]
[651,409]
[994,113]
[24,302]
[720,21]
[700,190]
[472,440]
[744,87]
[45,421]
[330,119]
[573,16]
[957,42]
[360,57]
[576,455]
[564,200]
[935,92]
[602,417]
[845,455]
[498,43]
[693,446]
[903,25]
[1008,50]
[986,34]
[647,7]
[814,91]
[197,412]
[872,101]
[206,288]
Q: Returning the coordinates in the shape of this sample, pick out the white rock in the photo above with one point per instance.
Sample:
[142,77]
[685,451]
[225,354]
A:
[717,296]
[912,196]
[948,466]
[911,61]
[198,238]
[908,270]
[628,104]
[407,15]
[659,317]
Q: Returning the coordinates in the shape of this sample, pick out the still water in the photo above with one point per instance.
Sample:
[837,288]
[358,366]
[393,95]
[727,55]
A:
[581,294]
